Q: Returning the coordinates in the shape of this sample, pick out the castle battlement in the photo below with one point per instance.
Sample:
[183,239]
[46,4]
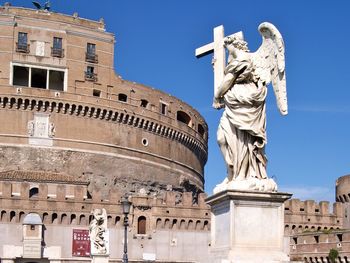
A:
[52,201]
[312,208]
[73,192]
[303,216]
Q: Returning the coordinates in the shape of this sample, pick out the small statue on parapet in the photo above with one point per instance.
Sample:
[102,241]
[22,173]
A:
[97,232]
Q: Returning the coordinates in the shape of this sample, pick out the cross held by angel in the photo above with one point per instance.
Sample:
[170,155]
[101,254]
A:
[240,88]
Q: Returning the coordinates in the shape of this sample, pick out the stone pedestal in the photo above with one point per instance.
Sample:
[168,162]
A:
[100,259]
[247,227]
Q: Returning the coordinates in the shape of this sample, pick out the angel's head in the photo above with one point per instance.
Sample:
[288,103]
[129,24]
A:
[237,41]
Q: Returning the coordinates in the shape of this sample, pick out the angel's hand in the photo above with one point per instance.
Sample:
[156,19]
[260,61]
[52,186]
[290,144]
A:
[218,104]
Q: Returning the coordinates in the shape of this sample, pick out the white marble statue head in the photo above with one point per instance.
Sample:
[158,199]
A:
[237,40]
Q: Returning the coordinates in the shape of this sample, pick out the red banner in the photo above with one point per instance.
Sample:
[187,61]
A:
[81,243]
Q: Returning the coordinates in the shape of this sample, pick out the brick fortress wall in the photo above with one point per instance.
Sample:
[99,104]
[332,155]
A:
[91,123]
[176,220]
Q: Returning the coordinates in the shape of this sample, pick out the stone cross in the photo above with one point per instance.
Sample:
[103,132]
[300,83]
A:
[219,57]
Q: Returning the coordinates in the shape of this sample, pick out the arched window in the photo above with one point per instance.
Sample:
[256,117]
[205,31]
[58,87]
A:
[206,225]
[33,192]
[167,223]
[109,220]
[82,220]
[184,118]
[45,217]
[73,219]
[182,224]
[3,215]
[12,216]
[64,219]
[141,225]
[54,218]
[198,225]
[122,97]
[159,223]
[190,225]
[21,216]
[117,220]
[174,226]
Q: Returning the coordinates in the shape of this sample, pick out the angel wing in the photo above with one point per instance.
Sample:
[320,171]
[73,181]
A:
[36,4]
[270,64]
[47,6]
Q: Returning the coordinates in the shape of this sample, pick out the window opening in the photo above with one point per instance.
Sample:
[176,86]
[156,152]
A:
[201,130]
[22,44]
[316,239]
[144,142]
[163,108]
[57,50]
[56,80]
[96,93]
[90,73]
[39,77]
[183,117]
[122,97]
[141,225]
[91,53]
[144,103]
[33,192]
[340,237]
[20,76]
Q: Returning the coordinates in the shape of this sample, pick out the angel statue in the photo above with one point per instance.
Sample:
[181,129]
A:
[97,231]
[242,93]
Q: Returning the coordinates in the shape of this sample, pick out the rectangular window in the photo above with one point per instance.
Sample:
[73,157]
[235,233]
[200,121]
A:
[163,108]
[91,53]
[22,39]
[22,44]
[90,70]
[20,76]
[56,80]
[96,93]
[91,49]
[57,43]
[42,78]
[39,77]
[57,50]
[90,73]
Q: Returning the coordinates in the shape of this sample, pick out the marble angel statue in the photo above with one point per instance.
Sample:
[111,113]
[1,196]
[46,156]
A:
[241,133]
[97,230]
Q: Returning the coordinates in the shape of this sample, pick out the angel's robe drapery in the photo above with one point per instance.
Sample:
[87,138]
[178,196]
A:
[243,123]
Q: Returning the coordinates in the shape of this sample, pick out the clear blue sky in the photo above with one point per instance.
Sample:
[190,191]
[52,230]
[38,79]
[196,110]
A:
[156,39]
